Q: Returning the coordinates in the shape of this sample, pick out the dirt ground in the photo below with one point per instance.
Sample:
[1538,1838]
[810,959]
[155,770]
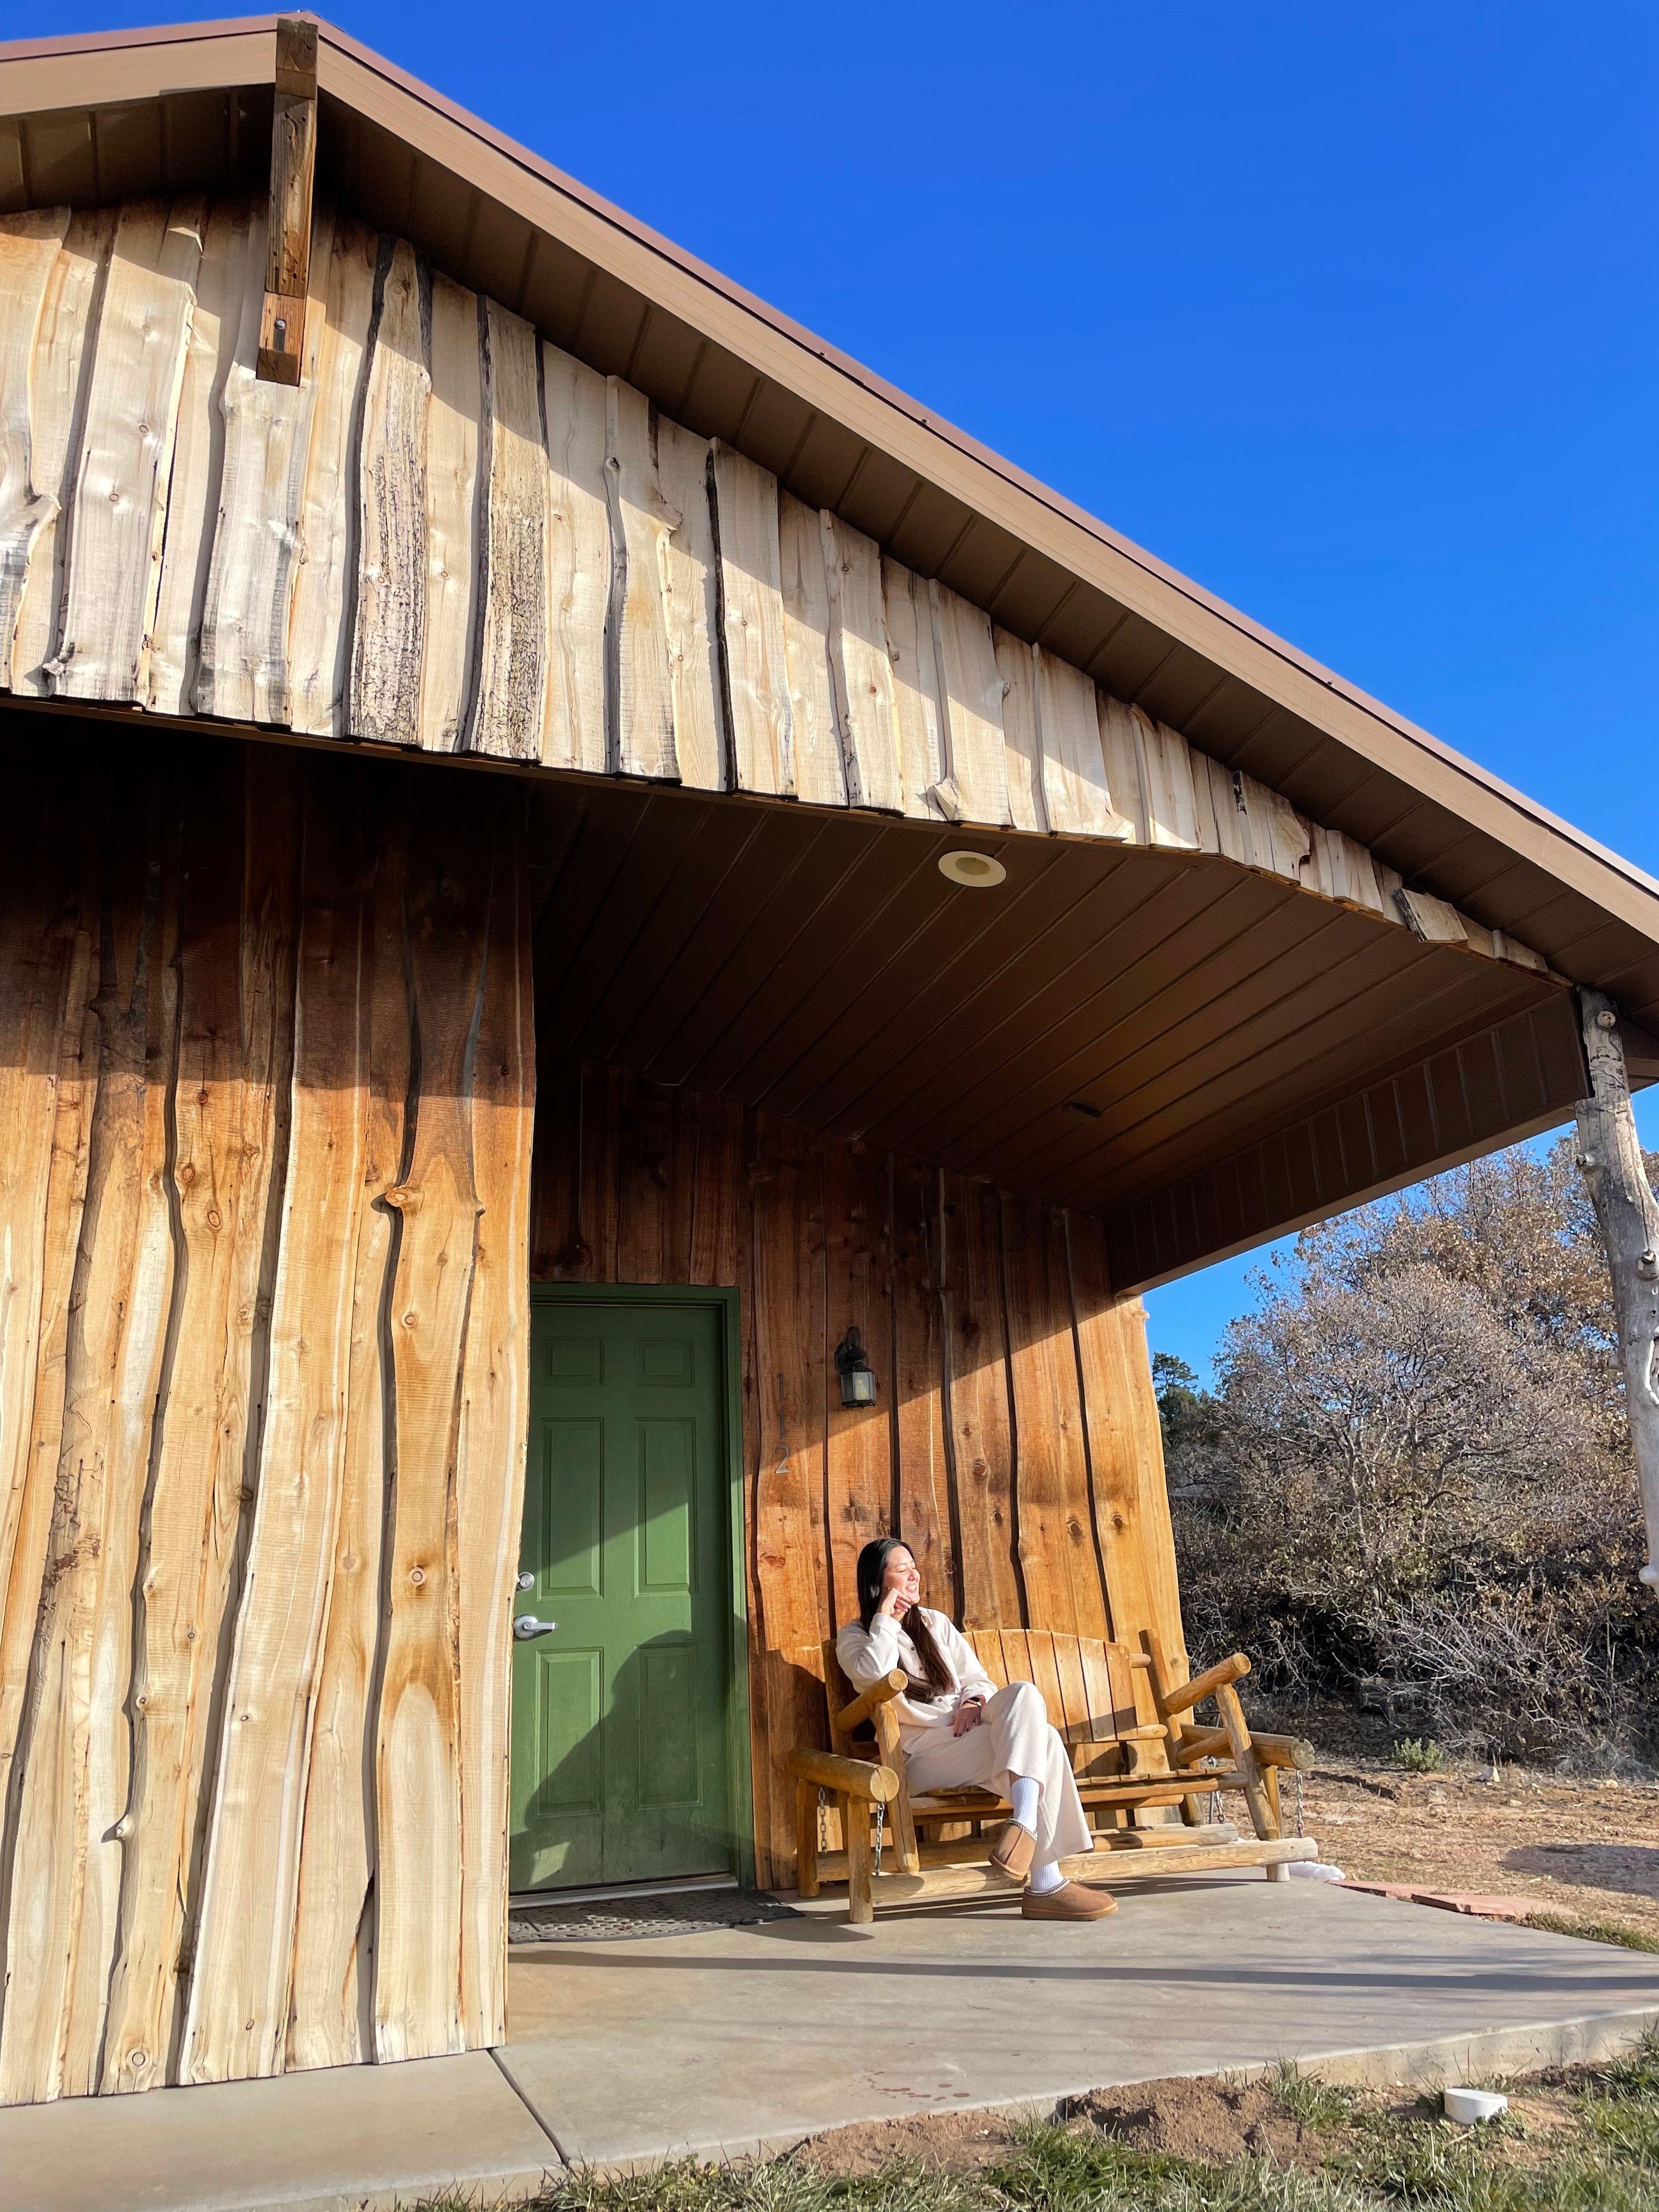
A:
[1195,2120]
[1209,2121]
[1587,1848]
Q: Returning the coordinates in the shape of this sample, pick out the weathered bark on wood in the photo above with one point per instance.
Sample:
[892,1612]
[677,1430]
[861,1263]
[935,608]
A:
[391,542]
[292,170]
[1610,1156]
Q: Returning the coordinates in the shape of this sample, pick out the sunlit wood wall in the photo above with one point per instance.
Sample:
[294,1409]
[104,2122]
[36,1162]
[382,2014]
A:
[1015,1444]
[266,1083]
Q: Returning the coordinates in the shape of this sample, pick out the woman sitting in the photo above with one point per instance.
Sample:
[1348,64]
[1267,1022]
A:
[960,1732]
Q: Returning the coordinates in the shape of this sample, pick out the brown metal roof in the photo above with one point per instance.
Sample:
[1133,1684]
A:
[91,119]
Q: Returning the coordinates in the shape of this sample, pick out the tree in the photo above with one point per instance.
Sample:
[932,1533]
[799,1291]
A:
[1417,1446]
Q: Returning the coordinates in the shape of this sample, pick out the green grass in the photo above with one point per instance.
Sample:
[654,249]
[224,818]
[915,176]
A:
[1595,1931]
[1604,2159]
[1317,2104]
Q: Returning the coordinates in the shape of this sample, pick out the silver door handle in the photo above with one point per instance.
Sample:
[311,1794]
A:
[527,1626]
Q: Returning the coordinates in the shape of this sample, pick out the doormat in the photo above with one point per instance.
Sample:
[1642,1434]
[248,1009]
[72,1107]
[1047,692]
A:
[693,1912]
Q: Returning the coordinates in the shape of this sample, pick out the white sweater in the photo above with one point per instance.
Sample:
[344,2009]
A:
[867,1654]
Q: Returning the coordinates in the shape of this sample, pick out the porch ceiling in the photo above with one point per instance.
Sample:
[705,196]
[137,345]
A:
[1115,1029]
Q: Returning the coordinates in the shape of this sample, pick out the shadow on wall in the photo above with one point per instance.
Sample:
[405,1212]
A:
[1015,1442]
[643,1789]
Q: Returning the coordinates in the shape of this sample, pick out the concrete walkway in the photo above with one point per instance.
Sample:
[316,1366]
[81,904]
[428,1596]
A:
[751,2038]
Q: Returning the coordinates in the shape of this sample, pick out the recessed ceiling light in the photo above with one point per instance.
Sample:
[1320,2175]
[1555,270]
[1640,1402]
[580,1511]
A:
[978,871]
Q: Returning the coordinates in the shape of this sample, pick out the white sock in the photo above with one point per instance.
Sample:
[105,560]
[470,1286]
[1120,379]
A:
[1023,1796]
[1042,1879]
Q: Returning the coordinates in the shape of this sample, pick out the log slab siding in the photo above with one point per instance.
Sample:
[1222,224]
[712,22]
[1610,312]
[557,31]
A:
[453,536]
[266,1075]
[973,1304]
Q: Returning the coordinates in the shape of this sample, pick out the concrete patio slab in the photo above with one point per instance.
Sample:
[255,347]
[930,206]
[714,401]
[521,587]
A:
[748,2039]
[751,2038]
[337,2140]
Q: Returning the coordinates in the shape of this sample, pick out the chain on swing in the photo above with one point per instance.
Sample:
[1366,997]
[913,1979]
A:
[823,1825]
[1216,1807]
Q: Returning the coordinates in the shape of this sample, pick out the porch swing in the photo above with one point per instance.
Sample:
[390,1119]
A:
[1134,1749]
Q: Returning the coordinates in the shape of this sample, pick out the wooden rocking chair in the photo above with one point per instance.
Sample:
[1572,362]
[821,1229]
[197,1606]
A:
[1134,1751]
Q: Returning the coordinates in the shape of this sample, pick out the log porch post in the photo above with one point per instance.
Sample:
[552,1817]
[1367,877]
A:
[1610,1156]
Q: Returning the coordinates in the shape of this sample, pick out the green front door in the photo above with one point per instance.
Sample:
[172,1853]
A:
[620,1766]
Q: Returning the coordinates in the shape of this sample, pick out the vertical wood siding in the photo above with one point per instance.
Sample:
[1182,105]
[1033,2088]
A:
[267,1077]
[453,536]
[1015,1442]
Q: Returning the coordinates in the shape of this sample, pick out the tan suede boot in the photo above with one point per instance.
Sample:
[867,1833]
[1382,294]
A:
[1013,1850]
[1072,1900]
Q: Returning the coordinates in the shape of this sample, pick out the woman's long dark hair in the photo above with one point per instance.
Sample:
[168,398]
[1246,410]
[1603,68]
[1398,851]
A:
[936,1681]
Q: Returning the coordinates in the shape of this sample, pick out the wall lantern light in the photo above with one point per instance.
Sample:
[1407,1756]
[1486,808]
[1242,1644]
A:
[858,1377]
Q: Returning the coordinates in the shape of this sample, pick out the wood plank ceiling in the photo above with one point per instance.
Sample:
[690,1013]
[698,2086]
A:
[1100,1026]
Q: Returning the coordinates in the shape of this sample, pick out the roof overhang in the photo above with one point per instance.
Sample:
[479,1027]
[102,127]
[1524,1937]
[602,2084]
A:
[92,120]
[502,220]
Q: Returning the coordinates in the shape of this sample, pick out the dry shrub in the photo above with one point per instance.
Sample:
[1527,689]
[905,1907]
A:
[1414,1473]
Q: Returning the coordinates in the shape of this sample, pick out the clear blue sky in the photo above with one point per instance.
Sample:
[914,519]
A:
[1350,313]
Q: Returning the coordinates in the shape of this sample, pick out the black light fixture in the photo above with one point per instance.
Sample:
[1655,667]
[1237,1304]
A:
[858,1377]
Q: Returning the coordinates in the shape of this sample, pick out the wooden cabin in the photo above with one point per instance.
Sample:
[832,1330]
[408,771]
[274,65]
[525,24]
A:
[565,847]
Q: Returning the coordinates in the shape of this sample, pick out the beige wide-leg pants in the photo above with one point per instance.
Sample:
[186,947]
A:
[1015,1737]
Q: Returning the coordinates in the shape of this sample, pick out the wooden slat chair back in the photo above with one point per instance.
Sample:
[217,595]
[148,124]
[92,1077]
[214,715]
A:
[1088,1687]
[1139,1764]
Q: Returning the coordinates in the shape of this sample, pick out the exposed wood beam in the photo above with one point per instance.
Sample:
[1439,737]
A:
[292,170]
[1610,1156]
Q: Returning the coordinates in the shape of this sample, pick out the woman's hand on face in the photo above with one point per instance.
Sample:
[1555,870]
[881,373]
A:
[894,1604]
[967,1714]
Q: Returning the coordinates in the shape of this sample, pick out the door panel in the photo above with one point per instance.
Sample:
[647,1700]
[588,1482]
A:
[619,1735]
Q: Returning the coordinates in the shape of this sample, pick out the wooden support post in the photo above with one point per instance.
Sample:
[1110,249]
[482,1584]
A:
[293,169]
[1610,1156]
[860,1898]
[1151,1658]
[806,1839]
[1249,1775]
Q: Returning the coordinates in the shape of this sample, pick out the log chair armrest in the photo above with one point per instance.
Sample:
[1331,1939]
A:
[1293,1751]
[1182,1696]
[1199,1743]
[852,1777]
[854,1716]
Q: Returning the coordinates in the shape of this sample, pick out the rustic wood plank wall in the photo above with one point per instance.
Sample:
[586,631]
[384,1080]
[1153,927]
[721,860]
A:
[453,536]
[267,1075]
[1015,1442]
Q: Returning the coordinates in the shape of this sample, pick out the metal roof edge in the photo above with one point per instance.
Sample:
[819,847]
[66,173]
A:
[982,478]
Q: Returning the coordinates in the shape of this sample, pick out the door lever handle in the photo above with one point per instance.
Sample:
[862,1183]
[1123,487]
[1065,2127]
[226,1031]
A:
[527,1626]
